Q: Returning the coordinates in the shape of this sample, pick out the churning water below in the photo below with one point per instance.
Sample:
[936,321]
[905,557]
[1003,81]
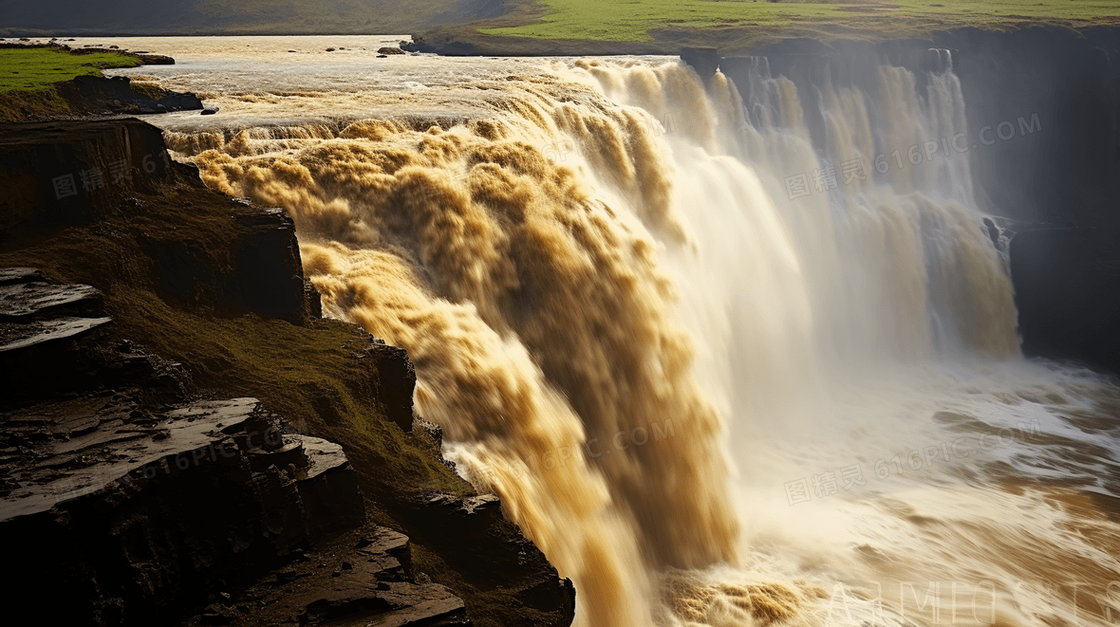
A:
[719,375]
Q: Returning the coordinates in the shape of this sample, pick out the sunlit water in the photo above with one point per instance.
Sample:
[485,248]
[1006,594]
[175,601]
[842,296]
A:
[709,397]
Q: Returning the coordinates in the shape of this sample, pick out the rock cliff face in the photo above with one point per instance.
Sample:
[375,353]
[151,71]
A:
[1059,186]
[1048,101]
[184,440]
[1067,290]
[58,175]
[66,175]
[97,95]
[133,517]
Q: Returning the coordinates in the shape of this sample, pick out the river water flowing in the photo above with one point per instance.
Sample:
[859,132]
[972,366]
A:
[720,373]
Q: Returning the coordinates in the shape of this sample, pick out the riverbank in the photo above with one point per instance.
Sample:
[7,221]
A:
[182,425]
[45,81]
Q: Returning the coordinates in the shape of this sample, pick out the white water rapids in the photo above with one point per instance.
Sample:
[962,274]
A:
[719,375]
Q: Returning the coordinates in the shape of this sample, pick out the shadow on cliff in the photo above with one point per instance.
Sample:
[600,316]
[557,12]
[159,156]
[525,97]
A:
[202,296]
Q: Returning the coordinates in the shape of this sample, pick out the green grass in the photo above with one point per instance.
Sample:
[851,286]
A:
[28,77]
[30,69]
[998,10]
[633,20]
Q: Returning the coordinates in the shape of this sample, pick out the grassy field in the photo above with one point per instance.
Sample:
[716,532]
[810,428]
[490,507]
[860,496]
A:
[28,77]
[633,20]
[28,69]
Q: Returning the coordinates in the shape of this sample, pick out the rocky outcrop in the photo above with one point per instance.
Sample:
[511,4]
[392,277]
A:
[61,178]
[148,490]
[34,312]
[397,382]
[704,60]
[361,578]
[59,175]
[131,508]
[498,554]
[264,274]
[440,47]
[136,512]
[99,95]
[138,517]
[1067,291]
[40,355]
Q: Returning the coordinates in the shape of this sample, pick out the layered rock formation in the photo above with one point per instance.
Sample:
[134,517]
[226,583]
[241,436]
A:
[184,440]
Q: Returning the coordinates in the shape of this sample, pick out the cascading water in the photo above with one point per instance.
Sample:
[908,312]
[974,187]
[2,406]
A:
[728,358]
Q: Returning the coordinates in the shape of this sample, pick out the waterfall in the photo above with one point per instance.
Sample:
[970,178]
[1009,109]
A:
[638,305]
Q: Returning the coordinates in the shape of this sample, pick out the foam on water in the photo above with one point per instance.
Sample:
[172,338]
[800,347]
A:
[711,399]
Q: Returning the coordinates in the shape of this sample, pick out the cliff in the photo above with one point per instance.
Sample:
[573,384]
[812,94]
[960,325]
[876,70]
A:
[1043,109]
[183,440]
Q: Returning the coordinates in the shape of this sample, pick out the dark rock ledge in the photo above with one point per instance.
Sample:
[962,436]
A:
[184,441]
[116,95]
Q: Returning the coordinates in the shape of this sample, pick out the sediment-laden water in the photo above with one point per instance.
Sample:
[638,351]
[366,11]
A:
[719,374]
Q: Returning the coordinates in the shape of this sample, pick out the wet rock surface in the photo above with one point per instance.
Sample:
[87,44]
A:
[363,577]
[34,312]
[99,95]
[49,344]
[15,337]
[154,509]
[21,300]
[147,490]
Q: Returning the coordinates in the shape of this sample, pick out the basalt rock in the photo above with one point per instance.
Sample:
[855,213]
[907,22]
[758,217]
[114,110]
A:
[1067,291]
[140,503]
[50,345]
[704,60]
[397,382]
[361,578]
[62,175]
[265,275]
[131,520]
[30,299]
[96,94]
[57,175]
[498,554]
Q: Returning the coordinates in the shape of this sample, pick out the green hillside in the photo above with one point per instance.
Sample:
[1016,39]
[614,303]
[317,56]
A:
[630,20]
